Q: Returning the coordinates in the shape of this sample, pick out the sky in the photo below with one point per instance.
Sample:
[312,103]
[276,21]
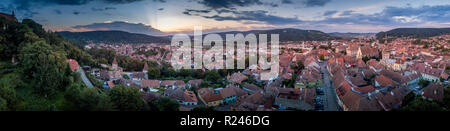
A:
[168,16]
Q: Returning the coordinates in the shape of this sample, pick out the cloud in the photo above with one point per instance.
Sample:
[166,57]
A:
[57,11]
[219,4]
[76,12]
[286,2]
[254,16]
[160,9]
[392,16]
[122,1]
[103,9]
[313,3]
[195,12]
[120,26]
[27,6]
[329,13]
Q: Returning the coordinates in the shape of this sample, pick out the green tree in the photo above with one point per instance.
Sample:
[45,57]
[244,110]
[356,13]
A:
[104,103]
[423,83]
[89,98]
[212,76]
[7,90]
[446,100]
[410,97]
[365,59]
[298,67]
[127,98]
[3,105]
[422,105]
[321,57]
[164,104]
[154,73]
[44,67]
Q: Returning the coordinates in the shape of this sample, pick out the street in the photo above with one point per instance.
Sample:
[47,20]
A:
[84,78]
[329,98]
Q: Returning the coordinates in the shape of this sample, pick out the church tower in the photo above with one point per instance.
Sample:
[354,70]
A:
[145,69]
[114,64]
[386,54]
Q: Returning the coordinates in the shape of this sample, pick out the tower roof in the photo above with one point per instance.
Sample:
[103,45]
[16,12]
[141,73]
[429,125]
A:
[9,17]
[145,66]
[114,61]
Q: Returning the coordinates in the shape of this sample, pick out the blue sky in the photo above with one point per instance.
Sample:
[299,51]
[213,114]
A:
[220,15]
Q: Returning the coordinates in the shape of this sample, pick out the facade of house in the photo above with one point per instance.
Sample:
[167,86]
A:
[395,65]
[228,96]
[367,52]
[210,97]
[152,85]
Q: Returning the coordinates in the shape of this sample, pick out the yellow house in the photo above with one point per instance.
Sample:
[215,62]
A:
[210,97]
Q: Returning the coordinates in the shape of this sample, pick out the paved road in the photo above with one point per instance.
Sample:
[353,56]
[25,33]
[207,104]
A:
[329,97]
[84,77]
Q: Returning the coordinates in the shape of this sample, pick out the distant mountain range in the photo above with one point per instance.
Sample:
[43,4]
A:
[350,35]
[121,26]
[111,37]
[288,34]
[414,32]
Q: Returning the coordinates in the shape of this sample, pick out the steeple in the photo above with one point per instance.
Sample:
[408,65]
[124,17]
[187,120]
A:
[12,14]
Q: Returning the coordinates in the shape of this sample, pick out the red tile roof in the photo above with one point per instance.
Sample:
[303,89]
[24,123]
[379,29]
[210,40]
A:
[238,77]
[384,81]
[73,64]
[434,91]
[209,95]
[366,89]
[150,83]
[227,92]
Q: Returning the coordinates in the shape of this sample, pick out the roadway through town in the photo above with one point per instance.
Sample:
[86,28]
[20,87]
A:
[84,77]
[329,98]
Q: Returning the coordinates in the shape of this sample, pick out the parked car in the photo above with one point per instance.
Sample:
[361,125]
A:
[319,91]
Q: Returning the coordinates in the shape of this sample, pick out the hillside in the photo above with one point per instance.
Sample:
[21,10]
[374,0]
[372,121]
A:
[350,35]
[289,34]
[111,37]
[414,32]
[35,75]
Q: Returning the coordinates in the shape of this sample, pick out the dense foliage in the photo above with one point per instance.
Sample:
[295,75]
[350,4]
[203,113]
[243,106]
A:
[414,32]
[34,74]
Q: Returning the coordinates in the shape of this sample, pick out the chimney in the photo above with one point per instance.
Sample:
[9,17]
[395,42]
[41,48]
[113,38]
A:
[12,13]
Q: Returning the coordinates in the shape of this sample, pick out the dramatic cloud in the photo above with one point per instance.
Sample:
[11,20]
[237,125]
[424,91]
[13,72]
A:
[254,16]
[312,3]
[121,1]
[103,9]
[195,12]
[286,2]
[395,16]
[219,4]
[26,6]
[120,26]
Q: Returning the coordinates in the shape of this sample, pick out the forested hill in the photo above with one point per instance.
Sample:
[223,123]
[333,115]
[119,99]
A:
[288,34]
[111,37]
[34,75]
[414,32]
